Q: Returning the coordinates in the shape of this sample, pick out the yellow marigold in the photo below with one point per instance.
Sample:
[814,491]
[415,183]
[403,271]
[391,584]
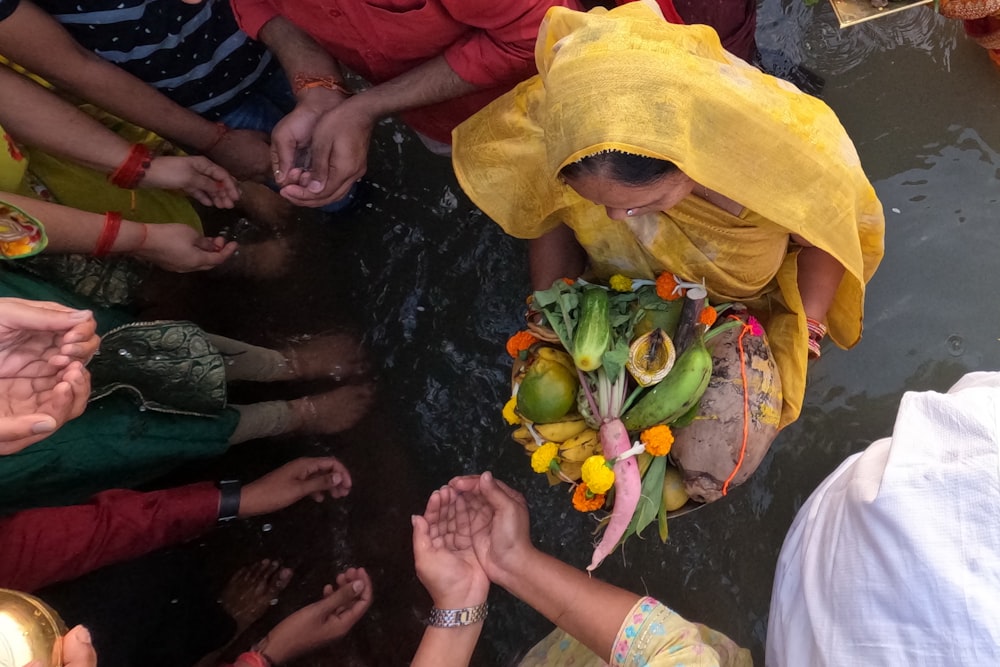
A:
[666,287]
[519,342]
[542,458]
[620,283]
[584,500]
[658,440]
[597,474]
[508,412]
[708,316]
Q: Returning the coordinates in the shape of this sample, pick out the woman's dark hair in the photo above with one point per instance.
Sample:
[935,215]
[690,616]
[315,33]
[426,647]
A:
[627,168]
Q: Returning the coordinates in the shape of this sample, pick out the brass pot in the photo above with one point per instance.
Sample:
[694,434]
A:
[29,630]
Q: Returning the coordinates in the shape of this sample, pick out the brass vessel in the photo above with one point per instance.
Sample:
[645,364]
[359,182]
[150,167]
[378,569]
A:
[29,630]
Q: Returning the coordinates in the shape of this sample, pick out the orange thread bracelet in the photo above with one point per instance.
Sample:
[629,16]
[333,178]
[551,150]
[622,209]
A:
[133,168]
[306,81]
[109,233]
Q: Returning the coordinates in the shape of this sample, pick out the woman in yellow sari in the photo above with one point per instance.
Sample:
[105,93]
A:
[646,148]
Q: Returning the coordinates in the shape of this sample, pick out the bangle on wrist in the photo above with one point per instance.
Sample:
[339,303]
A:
[303,81]
[133,169]
[456,618]
[221,130]
[230,491]
[816,331]
[109,233]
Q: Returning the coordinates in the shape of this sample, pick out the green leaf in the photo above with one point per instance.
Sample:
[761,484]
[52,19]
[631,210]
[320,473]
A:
[662,521]
[614,359]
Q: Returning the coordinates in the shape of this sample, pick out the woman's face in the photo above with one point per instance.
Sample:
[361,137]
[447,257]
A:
[618,198]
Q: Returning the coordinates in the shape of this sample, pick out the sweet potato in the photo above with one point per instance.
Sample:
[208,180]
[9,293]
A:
[708,450]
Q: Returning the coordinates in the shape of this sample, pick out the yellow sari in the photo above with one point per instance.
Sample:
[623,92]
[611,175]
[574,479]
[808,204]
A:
[626,80]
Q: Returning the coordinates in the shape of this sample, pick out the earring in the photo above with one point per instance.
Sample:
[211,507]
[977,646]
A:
[630,212]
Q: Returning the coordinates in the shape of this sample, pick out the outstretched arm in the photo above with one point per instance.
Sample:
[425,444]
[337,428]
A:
[69,66]
[819,277]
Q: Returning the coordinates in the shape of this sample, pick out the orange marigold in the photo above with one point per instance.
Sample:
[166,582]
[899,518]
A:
[708,316]
[666,287]
[658,440]
[519,342]
[585,501]
[569,281]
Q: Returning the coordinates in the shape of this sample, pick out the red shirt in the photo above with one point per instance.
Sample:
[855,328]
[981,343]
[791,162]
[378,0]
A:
[489,43]
[43,546]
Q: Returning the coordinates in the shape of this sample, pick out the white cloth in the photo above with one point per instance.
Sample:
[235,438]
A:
[895,559]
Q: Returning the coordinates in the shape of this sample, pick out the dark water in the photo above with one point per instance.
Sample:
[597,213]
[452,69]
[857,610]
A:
[435,289]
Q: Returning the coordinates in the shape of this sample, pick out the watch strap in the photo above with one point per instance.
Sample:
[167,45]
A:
[230,491]
[456,618]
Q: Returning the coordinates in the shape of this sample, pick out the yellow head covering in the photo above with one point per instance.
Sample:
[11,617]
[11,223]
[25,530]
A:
[627,80]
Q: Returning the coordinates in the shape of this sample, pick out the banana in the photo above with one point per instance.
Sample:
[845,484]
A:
[675,394]
[577,449]
[561,431]
[571,469]
[558,356]
[522,436]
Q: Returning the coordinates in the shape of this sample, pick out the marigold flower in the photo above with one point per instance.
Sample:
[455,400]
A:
[569,281]
[658,440]
[585,500]
[519,342]
[620,283]
[544,456]
[597,474]
[666,287]
[708,316]
[508,411]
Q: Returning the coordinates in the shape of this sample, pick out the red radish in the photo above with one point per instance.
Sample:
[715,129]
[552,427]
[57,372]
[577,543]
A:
[628,488]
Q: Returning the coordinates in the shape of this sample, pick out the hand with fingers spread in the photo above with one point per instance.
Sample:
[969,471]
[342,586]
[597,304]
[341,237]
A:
[181,249]
[198,176]
[314,478]
[338,154]
[43,383]
[443,552]
[321,622]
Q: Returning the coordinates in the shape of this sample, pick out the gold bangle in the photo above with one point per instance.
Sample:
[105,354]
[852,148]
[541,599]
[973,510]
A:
[306,81]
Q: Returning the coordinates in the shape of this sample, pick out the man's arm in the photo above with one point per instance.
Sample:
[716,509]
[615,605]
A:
[67,65]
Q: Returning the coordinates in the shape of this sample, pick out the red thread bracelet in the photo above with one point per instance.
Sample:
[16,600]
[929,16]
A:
[109,233]
[133,169]
[221,130]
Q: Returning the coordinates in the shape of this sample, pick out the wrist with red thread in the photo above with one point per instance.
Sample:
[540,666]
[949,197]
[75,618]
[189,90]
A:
[109,233]
[133,169]
[221,130]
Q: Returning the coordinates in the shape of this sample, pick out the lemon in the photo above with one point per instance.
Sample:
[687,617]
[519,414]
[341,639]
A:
[674,495]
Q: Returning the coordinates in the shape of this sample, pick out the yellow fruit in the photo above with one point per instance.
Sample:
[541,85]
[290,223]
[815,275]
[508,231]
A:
[522,436]
[674,495]
[558,356]
[578,449]
[562,431]
[547,392]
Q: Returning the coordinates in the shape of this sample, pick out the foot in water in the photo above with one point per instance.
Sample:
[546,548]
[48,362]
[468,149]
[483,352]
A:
[338,356]
[252,590]
[333,411]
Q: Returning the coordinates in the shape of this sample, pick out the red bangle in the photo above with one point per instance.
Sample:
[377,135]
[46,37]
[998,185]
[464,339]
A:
[816,330]
[112,223]
[221,130]
[133,169]
[254,659]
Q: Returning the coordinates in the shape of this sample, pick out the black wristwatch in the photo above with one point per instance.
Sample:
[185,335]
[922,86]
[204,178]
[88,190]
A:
[229,500]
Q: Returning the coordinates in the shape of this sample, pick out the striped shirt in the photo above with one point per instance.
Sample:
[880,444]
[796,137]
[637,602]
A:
[194,54]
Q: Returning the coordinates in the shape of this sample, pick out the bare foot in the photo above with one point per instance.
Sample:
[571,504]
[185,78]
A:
[251,591]
[333,411]
[336,356]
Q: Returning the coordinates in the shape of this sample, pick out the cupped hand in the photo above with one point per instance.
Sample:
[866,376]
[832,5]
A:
[338,157]
[443,552]
[181,249]
[246,154]
[314,478]
[43,382]
[321,622]
[198,176]
[499,524]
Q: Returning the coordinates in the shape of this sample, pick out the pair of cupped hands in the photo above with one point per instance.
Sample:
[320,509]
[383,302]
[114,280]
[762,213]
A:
[474,531]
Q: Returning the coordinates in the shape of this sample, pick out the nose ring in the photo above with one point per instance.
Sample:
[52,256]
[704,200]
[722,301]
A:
[630,212]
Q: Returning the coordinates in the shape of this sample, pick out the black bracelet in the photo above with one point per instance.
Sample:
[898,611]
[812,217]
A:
[229,501]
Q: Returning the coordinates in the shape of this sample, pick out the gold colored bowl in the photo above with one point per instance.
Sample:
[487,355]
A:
[29,630]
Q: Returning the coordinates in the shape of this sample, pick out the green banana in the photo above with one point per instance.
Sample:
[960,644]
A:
[675,394]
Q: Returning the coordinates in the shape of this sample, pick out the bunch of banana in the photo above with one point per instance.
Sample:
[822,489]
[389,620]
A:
[576,442]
